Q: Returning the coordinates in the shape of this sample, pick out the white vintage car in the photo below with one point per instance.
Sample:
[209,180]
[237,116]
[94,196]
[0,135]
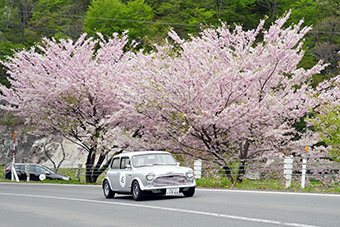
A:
[147,172]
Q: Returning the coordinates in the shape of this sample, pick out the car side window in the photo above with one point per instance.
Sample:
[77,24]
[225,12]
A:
[19,167]
[115,163]
[124,162]
[32,168]
[40,170]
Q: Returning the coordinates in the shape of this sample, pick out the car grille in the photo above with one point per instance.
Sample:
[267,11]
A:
[169,180]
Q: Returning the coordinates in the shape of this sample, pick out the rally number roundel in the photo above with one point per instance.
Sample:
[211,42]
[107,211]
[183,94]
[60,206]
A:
[122,180]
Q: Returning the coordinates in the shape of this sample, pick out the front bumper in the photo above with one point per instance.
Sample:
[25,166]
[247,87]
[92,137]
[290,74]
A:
[157,185]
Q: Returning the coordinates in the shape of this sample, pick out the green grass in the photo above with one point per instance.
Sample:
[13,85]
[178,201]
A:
[271,184]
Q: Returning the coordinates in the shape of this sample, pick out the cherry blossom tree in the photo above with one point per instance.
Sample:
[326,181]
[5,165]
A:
[226,93]
[326,122]
[72,88]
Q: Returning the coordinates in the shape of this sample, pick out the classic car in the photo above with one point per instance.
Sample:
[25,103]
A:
[142,173]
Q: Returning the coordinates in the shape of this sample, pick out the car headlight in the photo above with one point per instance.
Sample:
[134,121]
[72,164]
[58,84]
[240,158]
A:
[190,173]
[65,178]
[150,176]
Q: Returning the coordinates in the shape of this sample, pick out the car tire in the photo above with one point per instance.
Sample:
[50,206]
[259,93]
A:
[190,192]
[108,193]
[137,193]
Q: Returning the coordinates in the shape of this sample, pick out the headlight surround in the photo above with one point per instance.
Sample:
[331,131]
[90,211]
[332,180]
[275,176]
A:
[65,178]
[150,176]
[190,173]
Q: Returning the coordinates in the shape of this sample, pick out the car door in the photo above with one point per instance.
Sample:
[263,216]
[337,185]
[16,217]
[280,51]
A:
[37,173]
[20,169]
[124,175]
[34,176]
[113,174]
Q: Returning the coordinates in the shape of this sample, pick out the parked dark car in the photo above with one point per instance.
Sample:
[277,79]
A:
[37,172]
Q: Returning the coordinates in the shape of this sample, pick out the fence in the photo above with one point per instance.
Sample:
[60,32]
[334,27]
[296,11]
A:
[289,169]
[302,170]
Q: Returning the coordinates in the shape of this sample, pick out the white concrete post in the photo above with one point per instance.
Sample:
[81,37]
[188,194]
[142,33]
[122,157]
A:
[28,172]
[13,171]
[198,169]
[303,176]
[79,171]
[288,169]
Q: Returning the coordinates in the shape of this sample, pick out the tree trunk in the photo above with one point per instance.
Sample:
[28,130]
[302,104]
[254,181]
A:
[96,170]
[228,173]
[244,148]
[241,172]
[93,171]
[89,164]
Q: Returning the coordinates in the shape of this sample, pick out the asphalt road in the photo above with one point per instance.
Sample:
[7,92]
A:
[44,205]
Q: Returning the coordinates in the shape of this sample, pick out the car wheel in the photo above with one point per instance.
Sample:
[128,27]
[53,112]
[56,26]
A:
[190,192]
[108,193]
[137,193]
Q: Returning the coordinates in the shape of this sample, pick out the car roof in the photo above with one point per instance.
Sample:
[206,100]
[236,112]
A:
[132,153]
[20,163]
[24,164]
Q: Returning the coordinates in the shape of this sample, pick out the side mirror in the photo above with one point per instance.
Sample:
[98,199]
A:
[178,164]
[128,166]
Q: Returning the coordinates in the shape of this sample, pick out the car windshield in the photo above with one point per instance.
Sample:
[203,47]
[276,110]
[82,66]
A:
[153,159]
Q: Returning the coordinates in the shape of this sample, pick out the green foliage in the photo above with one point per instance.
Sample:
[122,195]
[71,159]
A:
[9,24]
[7,48]
[109,16]
[229,11]
[186,16]
[327,124]
[69,18]
[54,19]
[99,19]
[328,8]
[305,9]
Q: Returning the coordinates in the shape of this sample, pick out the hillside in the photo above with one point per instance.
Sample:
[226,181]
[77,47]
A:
[31,148]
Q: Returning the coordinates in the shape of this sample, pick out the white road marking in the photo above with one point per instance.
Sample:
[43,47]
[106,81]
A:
[167,209]
[270,192]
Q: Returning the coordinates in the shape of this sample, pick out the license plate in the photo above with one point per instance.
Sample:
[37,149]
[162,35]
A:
[172,191]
